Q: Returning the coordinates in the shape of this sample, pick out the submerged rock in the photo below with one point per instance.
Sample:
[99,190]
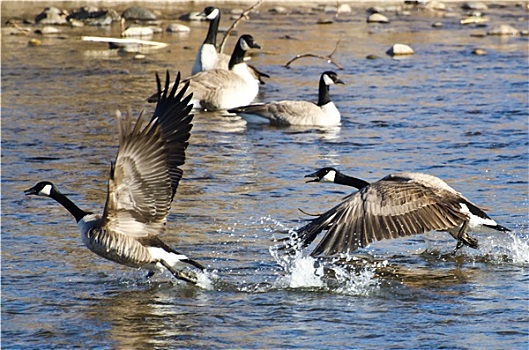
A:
[344,8]
[47,30]
[377,18]
[177,28]
[138,31]
[400,50]
[87,12]
[138,13]
[474,6]
[51,15]
[503,29]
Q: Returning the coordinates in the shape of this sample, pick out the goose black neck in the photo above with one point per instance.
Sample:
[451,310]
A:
[211,37]
[342,179]
[323,96]
[237,56]
[77,212]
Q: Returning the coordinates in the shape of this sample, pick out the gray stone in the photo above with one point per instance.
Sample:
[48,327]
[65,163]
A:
[280,10]
[47,30]
[138,31]
[474,6]
[435,6]
[102,21]
[177,28]
[377,18]
[437,24]
[138,13]
[344,8]
[400,50]
[51,15]
[503,29]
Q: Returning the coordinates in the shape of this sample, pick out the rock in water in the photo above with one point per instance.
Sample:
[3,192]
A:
[400,50]
[139,13]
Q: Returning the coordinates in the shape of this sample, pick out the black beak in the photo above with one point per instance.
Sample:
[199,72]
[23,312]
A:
[339,81]
[315,177]
[30,191]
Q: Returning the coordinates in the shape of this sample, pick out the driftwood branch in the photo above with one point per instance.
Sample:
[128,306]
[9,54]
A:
[243,15]
[327,58]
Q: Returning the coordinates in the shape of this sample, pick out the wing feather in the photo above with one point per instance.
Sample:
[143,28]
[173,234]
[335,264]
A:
[389,208]
[145,175]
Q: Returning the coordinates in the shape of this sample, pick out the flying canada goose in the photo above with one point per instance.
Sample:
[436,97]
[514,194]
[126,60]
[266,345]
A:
[208,57]
[217,89]
[142,183]
[397,205]
[282,113]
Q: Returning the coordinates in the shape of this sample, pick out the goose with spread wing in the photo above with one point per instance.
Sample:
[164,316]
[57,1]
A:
[142,183]
[397,205]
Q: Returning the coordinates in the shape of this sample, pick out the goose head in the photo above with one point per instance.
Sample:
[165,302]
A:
[210,13]
[247,42]
[43,188]
[331,78]
[327,174]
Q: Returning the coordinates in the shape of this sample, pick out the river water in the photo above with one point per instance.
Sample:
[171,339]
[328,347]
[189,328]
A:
[444,111]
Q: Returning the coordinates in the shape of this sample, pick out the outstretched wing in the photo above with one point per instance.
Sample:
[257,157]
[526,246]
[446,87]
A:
[390,208]
[145,175]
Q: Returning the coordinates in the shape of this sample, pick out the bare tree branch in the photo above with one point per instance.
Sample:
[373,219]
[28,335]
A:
[327,58]
[243,15]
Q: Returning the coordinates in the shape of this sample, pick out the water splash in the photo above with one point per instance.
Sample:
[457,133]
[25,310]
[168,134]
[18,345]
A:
[511,247]
[332,276]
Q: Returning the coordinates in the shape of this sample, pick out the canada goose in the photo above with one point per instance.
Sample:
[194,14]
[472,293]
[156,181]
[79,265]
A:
[208,57]
[399,204]
[324,113]
[217,89]
[142,183]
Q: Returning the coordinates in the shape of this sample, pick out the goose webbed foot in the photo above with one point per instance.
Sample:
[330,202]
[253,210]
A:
[186,276]
[464,239]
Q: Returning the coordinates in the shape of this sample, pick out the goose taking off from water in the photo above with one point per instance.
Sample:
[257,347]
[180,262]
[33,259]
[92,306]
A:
[397,205]
[143,181]
[291,112]
[218,89]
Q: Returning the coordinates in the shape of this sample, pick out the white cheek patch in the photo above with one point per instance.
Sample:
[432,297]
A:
[328,80]
[329,177]
[46,191]
[475,222]
[244,45]
[214,14]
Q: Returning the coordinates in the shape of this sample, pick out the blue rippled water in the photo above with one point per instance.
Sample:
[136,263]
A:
[443,111]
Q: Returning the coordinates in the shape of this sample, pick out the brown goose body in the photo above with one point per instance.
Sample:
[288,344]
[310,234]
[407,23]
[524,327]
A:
[142,183]
[397,205]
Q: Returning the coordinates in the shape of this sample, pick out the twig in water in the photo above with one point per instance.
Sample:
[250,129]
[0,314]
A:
[243,15]
[327,58]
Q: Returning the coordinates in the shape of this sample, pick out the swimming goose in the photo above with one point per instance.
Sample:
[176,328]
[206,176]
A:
[398,205]
[289,112]
[208,57]
[217,89]
[143,181]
